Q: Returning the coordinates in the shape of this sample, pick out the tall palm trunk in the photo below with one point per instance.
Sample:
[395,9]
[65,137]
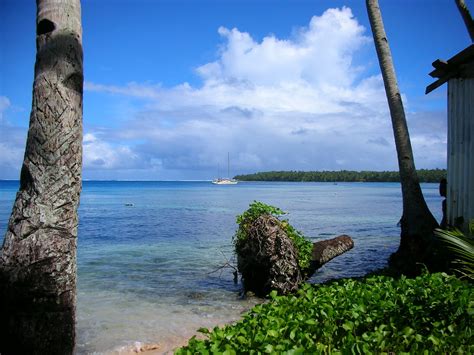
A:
[38,258]
[417,223]
[467,18]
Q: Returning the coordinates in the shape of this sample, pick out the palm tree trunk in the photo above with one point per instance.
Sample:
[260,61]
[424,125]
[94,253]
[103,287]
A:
[417,222]
[38,258]
[467,18]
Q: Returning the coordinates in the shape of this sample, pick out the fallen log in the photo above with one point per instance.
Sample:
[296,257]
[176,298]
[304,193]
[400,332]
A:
[268,259]
[326,250]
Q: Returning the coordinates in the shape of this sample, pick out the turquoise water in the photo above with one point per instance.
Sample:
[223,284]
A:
[145,270]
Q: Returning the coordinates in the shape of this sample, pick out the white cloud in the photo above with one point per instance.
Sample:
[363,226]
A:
[98,154]
[132,89]
[293,103]
[320,54]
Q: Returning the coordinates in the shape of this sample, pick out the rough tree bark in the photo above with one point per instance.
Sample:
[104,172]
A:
[467,18]
[268,259]
[417,223]
[38,258]
[326,250]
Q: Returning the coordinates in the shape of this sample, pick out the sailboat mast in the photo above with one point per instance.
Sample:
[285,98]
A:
[227,180]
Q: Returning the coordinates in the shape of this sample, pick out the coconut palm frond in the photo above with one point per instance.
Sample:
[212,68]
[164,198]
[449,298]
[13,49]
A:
[464,271]
[462,248]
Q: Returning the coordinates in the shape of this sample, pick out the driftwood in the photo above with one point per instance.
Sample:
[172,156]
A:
[268,259]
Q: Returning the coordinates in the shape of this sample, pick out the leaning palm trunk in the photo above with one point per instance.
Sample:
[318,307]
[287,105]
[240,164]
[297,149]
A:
[38,258]
[467,18]
[417,223]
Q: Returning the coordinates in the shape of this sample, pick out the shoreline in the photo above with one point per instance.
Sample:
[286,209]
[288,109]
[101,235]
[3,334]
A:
[167,346]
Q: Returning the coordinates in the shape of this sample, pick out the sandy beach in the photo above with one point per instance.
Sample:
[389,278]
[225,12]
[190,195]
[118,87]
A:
[167,346]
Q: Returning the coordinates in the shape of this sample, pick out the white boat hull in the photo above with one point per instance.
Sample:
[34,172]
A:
[224,182]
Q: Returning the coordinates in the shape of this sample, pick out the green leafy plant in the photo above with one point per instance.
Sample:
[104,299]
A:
[462,248]
[432,313]
[255,210]
[303,245]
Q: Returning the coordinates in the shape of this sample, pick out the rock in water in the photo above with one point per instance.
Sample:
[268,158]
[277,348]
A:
[268,259]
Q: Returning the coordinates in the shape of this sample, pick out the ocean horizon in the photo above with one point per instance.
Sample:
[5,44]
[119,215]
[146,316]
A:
[149,252]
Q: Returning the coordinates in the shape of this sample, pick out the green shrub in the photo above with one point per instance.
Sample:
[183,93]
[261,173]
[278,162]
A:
[303,245]
[432,313]
[255,210]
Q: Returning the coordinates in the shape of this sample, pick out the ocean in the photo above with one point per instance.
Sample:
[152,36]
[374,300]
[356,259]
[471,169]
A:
[149,253]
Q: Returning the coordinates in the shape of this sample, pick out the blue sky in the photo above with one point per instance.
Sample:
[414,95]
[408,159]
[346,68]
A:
[172,86]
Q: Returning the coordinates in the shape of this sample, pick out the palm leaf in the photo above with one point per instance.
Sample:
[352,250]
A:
[462,248]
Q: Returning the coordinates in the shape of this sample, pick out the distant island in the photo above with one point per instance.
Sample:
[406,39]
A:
[425,175]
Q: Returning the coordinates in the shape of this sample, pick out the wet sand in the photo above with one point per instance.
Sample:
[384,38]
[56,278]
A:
[165,347]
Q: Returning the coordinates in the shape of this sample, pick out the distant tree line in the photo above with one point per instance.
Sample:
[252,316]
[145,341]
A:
[425,175]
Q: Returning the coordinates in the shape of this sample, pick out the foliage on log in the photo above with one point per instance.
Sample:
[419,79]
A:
[257,209]
[273,255]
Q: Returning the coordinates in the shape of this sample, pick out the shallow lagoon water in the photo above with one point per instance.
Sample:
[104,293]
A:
[147,250]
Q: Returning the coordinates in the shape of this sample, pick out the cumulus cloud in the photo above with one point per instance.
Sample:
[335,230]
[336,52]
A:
[296,103]
[99,154]
[320,54]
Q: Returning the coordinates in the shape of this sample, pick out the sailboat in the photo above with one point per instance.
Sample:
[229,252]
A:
[225,181]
